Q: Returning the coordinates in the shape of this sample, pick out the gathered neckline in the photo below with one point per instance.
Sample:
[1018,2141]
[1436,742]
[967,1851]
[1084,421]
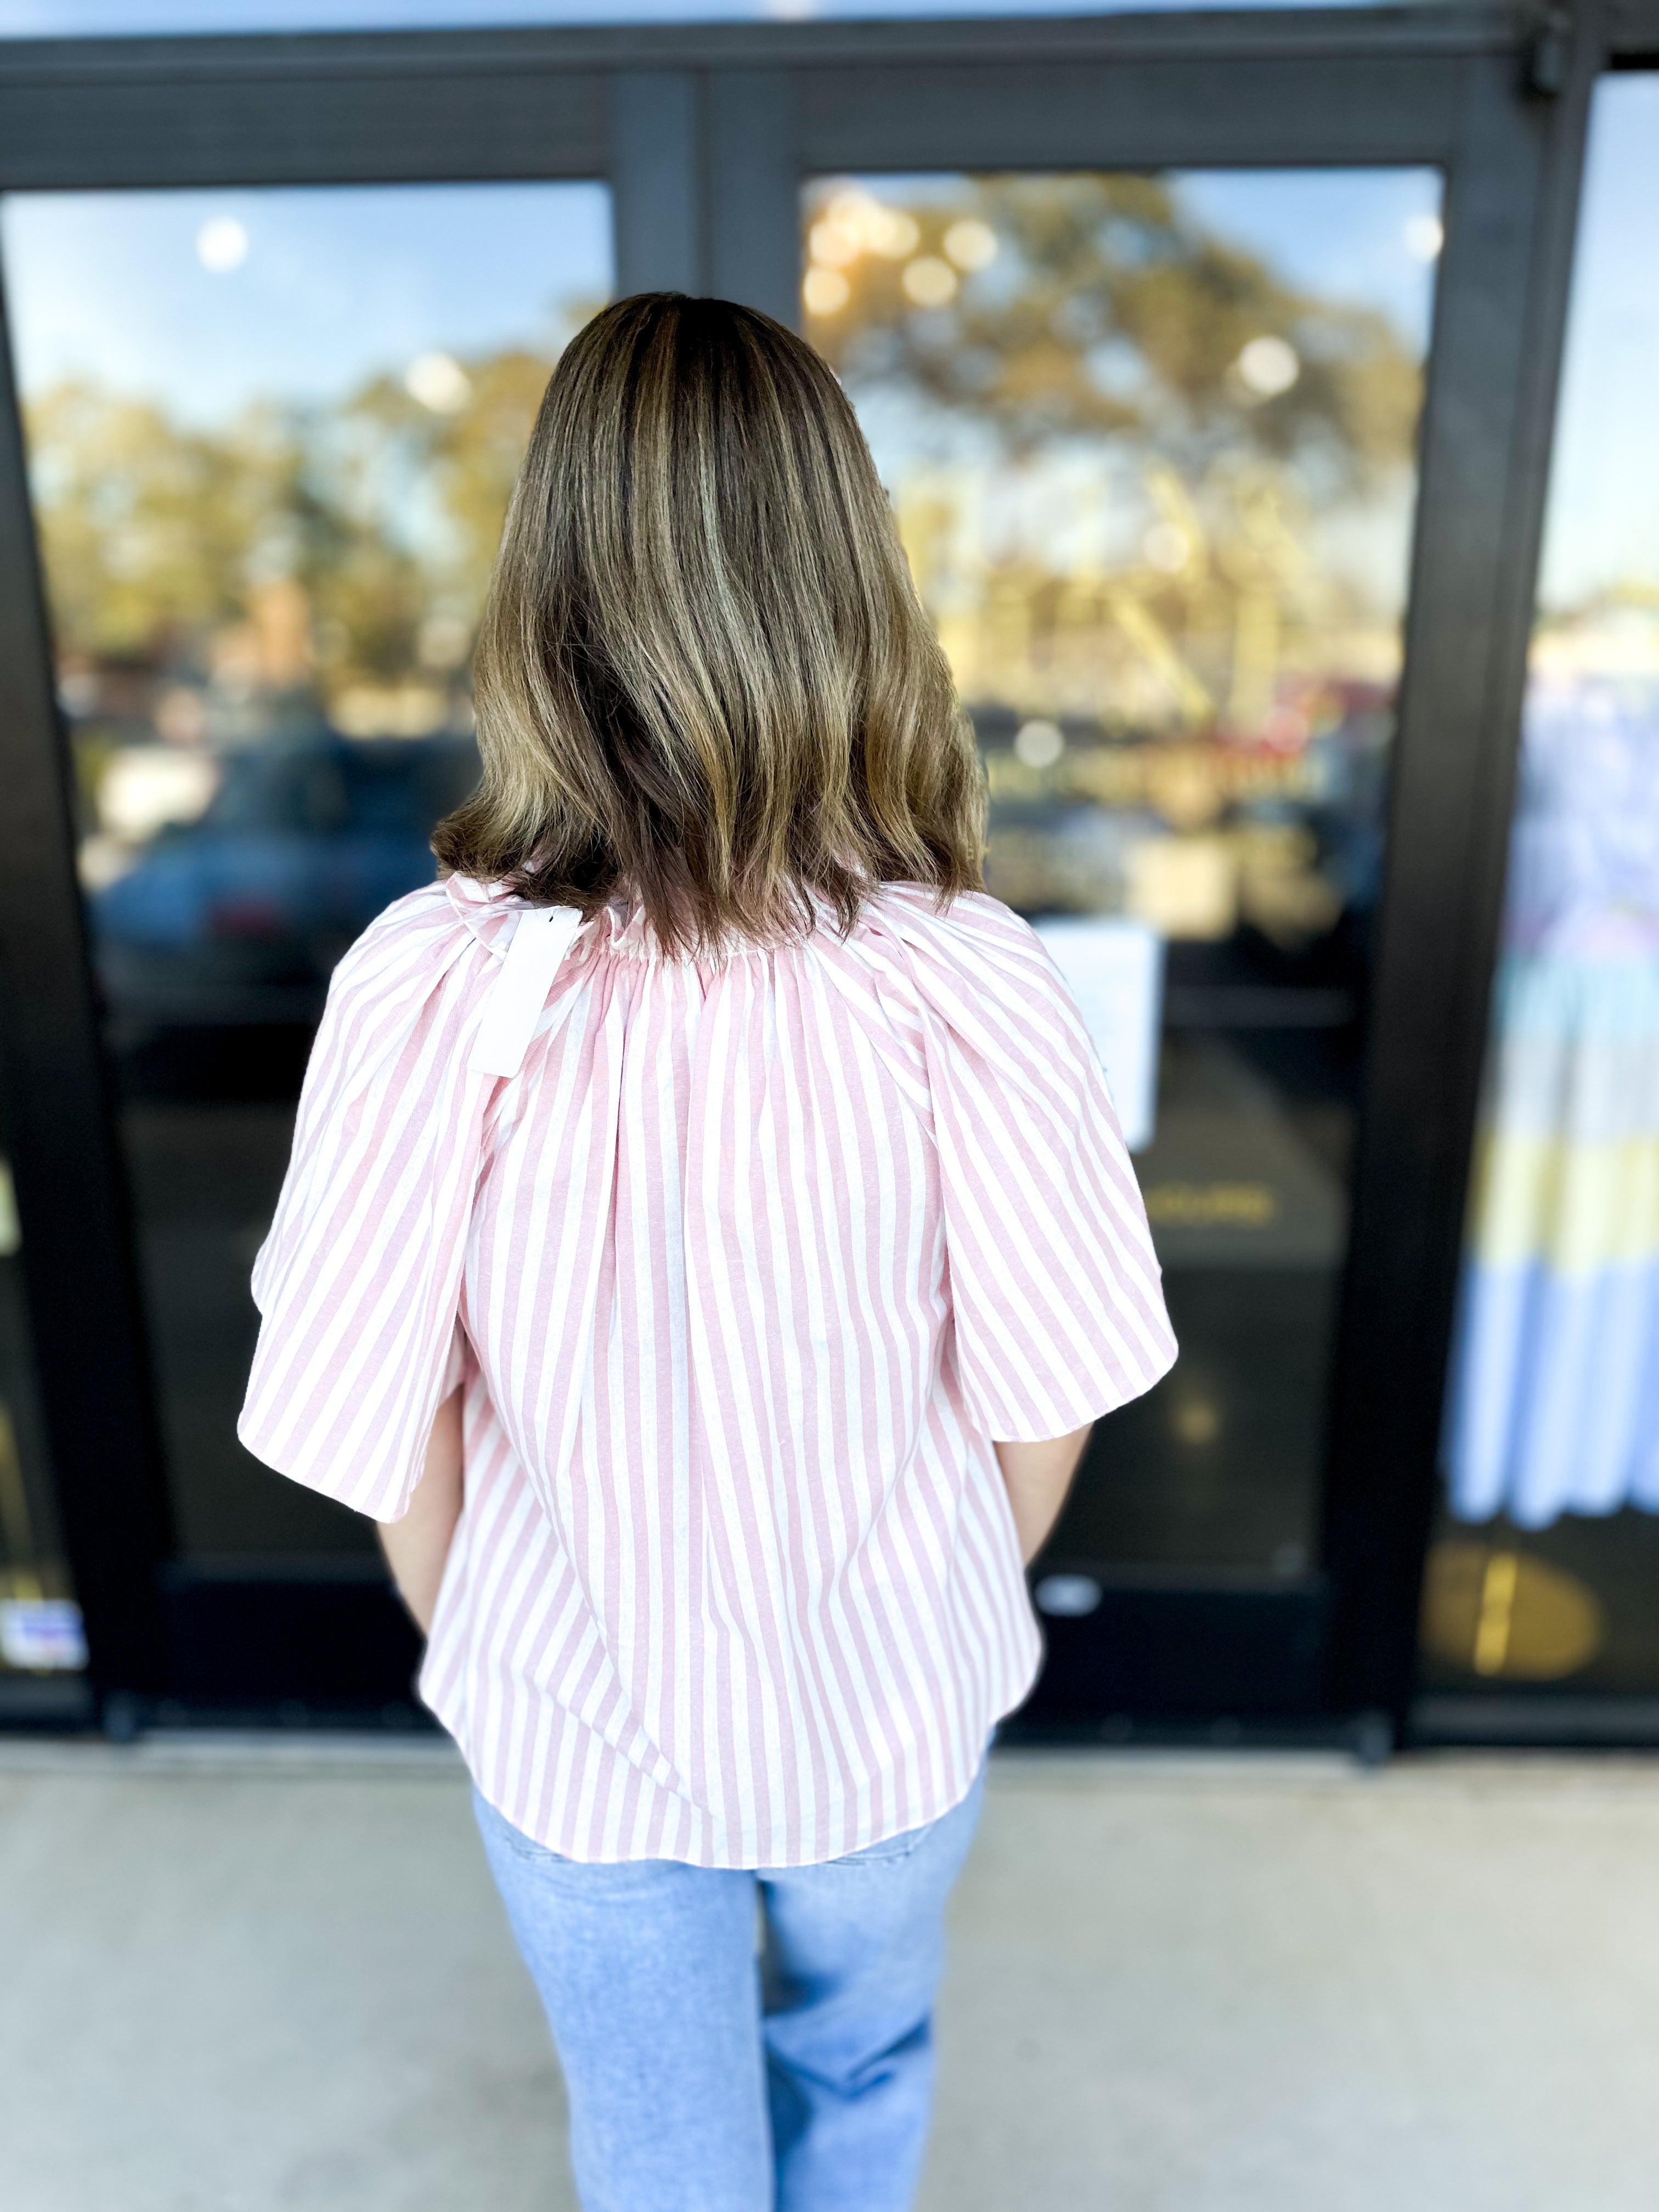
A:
[620,932]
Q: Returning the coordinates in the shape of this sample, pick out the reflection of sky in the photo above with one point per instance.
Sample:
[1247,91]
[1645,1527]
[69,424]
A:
[129,18]
[1603,526]
[338,284]
[1340,234]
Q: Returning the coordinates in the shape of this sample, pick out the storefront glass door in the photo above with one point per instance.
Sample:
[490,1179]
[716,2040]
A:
[271,437]
[1150,443]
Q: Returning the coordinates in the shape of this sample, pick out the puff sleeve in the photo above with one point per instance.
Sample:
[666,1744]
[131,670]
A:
[1055,1290]
[358,1282]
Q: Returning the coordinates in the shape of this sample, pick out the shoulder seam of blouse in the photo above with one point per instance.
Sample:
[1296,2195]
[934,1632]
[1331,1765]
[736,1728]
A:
[488,912]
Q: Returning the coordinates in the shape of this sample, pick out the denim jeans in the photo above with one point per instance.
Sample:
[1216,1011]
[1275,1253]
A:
[706,2077]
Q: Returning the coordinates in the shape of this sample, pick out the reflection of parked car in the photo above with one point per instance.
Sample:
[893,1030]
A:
[240,915]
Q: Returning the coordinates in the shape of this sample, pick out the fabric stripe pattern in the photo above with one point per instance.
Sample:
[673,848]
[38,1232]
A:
[739,1274]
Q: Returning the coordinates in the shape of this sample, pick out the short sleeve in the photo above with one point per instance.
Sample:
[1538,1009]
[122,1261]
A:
[358,1282]
[1055,1290]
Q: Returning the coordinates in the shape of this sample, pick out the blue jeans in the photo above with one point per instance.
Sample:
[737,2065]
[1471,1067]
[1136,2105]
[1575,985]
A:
[704,2078]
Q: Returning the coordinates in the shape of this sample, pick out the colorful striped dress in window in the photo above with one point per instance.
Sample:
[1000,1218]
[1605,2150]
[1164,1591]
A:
[741,1266]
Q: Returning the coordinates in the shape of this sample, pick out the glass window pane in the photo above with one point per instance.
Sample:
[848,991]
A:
[1150,441]
[1546,1566]
[271,435]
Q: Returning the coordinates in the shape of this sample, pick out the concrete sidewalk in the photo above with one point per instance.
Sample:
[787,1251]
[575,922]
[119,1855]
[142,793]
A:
[239,1976]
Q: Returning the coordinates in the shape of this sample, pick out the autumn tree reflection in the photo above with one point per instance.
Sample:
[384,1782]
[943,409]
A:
[315,557]
[1156,495]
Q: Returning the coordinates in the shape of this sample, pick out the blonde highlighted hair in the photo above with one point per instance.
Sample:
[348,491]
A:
[705,683]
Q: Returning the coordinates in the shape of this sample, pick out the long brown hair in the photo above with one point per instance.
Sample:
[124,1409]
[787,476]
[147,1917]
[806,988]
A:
[704,681]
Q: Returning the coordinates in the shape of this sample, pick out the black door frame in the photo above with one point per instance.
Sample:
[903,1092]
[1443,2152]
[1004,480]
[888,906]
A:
[704,134]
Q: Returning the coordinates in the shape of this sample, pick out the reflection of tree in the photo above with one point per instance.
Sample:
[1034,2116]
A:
[173,545]
[1218,414]
[455,468]
[150,529]
[468,457]
[1113,441]
[1108,308]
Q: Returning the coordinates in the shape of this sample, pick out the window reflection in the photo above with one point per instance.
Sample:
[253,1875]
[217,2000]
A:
[1154,492]
[1150,441]
[1551,1450]
[263,597]
[272,437]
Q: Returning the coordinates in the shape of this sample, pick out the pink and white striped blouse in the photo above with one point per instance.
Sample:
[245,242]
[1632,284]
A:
[741,1272]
